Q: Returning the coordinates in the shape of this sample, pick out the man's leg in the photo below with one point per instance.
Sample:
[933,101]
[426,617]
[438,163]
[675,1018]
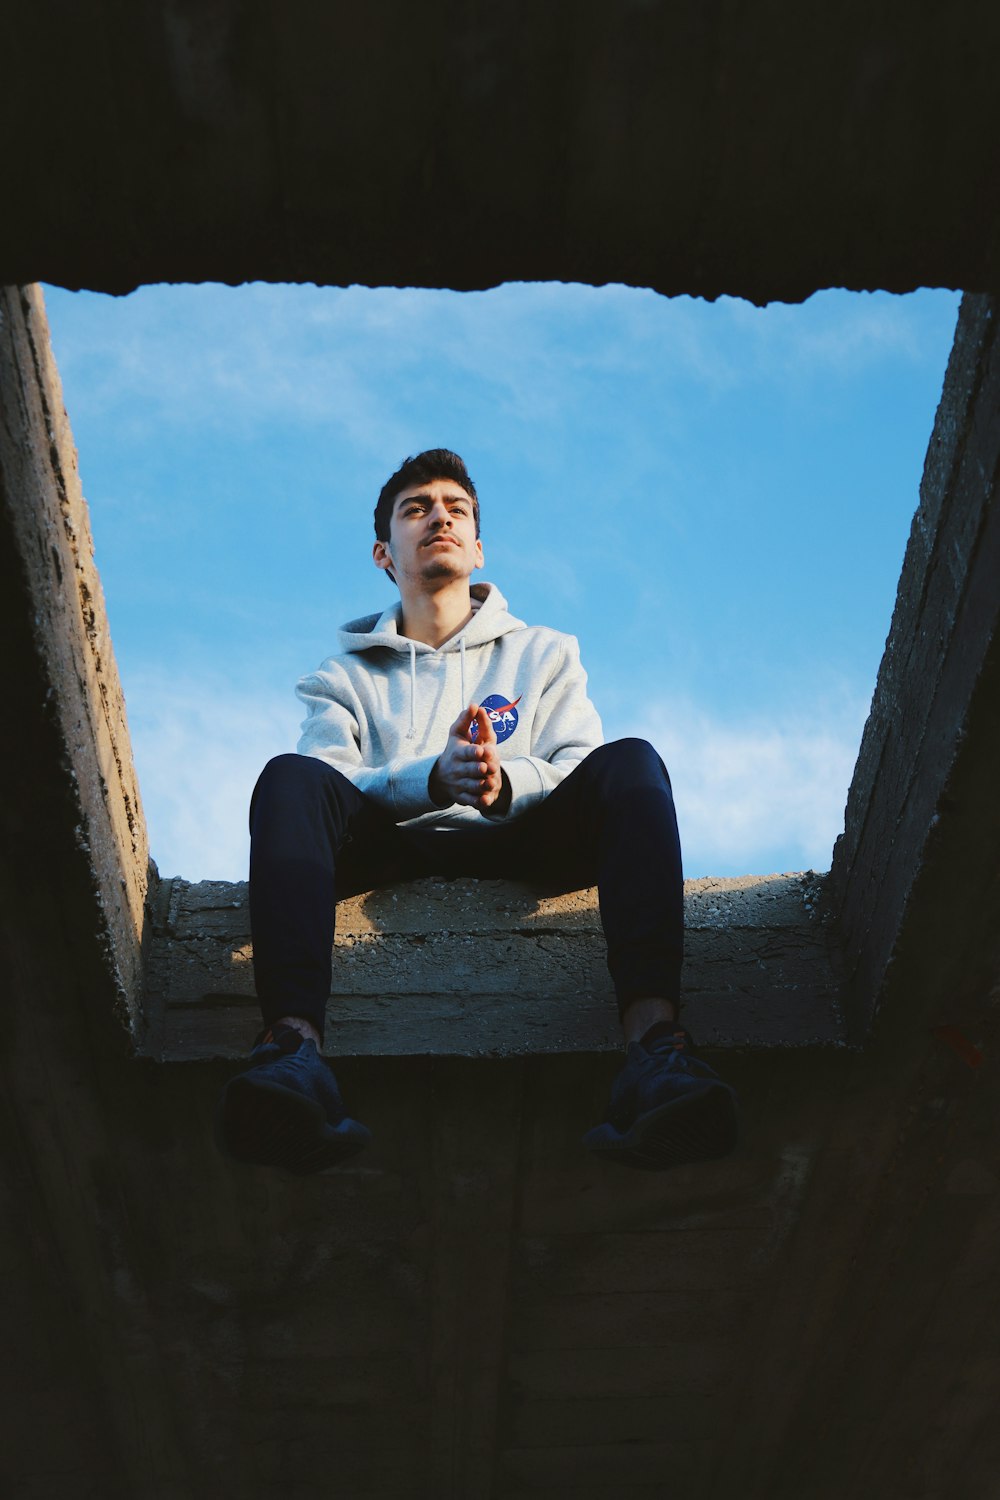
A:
[310,829]
[314,838]
[612,823]
[620,804]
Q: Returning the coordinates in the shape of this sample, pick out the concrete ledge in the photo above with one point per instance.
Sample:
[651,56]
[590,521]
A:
[488,967]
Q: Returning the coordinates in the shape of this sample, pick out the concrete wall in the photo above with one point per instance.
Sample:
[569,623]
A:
[914,876]
[74,832]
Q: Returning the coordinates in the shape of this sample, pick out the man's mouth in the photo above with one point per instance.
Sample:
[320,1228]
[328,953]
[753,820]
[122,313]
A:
[449,540]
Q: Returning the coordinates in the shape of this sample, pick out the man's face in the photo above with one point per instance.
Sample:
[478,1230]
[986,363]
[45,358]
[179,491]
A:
[432,535]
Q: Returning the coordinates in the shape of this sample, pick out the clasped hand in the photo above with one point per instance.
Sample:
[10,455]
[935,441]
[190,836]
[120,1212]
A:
[468,770]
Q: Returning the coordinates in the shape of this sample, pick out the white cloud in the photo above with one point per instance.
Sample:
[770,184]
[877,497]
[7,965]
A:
[199,746]
[833,333]
[356,362]
[755,796]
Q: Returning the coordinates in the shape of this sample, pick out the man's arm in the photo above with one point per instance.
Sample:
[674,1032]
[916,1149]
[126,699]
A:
[332,732]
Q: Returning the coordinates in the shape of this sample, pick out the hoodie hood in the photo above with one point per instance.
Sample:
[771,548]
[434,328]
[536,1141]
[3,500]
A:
[491,619]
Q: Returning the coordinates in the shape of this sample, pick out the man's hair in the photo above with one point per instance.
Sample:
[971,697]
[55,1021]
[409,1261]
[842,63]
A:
[433,463]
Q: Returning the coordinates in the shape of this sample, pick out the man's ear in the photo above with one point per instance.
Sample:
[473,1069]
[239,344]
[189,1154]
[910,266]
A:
[479,553]
[382,559]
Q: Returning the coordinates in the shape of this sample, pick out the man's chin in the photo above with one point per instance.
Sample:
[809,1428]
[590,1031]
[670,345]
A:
[443,567]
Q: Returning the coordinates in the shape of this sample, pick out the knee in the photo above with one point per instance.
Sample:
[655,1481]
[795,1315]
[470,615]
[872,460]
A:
[630,760]
[284,768]
[624,768]
[294,775]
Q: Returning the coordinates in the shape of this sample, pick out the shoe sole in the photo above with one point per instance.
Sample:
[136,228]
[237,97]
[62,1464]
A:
[676,1134]
[266,1125]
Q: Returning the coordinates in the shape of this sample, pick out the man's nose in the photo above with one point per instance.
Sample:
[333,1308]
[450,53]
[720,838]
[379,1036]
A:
[440,516]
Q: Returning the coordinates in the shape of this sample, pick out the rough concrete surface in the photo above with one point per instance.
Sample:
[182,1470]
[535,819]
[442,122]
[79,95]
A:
[914,877]
[474,967]
[694,146]
[63,686]
[474,1308]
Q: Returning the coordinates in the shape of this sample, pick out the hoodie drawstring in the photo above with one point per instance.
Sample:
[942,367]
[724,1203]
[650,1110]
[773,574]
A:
[412,731]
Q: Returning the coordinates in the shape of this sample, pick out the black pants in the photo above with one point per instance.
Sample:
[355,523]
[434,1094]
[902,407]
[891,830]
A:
[315,839]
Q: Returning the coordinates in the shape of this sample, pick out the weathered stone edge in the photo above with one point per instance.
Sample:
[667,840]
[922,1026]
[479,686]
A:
[747,983]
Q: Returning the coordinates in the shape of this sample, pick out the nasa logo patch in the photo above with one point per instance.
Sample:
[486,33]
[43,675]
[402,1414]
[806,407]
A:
[502,714]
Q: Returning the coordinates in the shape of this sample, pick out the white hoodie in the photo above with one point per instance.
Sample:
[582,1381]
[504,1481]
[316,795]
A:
[380,711]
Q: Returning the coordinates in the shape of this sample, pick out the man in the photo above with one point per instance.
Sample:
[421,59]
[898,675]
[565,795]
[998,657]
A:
[450,738]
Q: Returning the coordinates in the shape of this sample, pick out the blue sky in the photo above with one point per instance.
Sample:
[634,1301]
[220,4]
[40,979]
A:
[715,498]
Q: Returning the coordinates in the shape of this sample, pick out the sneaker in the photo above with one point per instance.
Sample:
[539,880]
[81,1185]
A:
[668,1108]
[286,1110]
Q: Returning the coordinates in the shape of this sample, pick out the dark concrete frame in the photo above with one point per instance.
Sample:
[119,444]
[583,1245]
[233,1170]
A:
[813,1317]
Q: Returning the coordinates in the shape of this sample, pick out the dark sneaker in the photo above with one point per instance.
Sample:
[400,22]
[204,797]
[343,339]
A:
[286,1110]
[667,1108]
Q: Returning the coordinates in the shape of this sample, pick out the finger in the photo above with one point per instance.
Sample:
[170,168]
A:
[467,763]
[467,794]
[486,731]
[462,725]
[473,778]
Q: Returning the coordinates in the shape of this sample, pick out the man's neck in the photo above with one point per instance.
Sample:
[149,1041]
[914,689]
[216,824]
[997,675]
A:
[435,618]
